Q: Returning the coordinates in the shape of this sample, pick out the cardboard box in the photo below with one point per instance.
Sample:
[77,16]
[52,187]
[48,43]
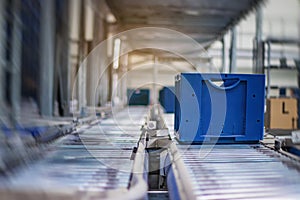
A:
[282,113]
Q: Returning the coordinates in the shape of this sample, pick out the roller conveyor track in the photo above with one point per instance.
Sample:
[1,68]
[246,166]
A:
[97,163]
[232,172]
[241,171]
[93,164]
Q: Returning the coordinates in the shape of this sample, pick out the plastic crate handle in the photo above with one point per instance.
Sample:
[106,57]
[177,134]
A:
[211,82]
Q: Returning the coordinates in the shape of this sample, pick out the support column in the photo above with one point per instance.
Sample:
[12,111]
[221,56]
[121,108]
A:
[82,65]
[47,58]
[154,84]
[15,81]
[223,67]
[299,56]
[258,51]
[74,57]
[64,77]
[268,70]
[62,62]
[103,83]
[115,71]
[232,54]
[2,59]
[94,68]
[124,79]
[114,85]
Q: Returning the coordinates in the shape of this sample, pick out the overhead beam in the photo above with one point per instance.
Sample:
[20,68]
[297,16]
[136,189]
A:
[163,56]
[173,40]
[179,10]
[174,21]
[190,29]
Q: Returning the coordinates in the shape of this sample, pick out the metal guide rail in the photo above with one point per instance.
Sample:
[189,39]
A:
[90,165]
[231,172]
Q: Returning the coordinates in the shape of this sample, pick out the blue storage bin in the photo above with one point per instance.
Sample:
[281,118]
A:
[138,96]
[167,99]
[222,108]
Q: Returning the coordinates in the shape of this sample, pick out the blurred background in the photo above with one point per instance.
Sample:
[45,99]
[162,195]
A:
[43,44]
[66,63]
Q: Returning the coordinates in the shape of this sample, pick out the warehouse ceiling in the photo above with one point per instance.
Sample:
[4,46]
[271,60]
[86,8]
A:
[204,20]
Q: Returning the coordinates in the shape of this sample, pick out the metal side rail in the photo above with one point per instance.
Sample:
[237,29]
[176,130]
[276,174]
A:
[232,172]
[93,164]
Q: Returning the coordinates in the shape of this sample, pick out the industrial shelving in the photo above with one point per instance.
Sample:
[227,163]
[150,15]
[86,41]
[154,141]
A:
[283,65]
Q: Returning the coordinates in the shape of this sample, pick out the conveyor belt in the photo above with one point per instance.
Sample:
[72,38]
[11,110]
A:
[96,163]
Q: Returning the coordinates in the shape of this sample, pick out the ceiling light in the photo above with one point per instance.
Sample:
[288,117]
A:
[117,47]
[110,18]
[191,12]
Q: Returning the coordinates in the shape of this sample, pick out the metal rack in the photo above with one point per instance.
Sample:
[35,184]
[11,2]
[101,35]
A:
[268,42]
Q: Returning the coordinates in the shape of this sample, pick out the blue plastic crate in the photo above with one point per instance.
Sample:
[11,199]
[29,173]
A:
[222,108]
[167,99]
[138,96]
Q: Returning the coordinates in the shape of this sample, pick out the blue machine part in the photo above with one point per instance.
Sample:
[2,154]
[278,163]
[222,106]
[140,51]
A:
[8,132]
[222,108]
[282,92]
[39,133]
[294,150]
[167,99]
[34,131]
[138,97]
[174,193]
